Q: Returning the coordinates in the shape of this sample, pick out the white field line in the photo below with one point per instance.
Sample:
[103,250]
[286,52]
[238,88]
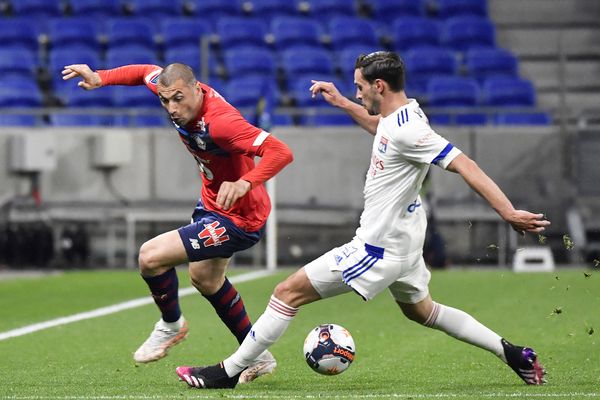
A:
[115,308]
[218,394]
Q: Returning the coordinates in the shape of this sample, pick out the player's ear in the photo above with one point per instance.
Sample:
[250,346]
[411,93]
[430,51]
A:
[379,85]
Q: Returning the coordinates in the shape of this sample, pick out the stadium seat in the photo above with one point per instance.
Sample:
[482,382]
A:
[454,92]
[294,31]
[60,57]
[463,33]
[388,10]
[453,8]
[81,31]
[154,8]
[123,32]
[352,31]
[20,94]
[190,55]
[327,9]
[484,63]
[302,97]
[75,96]
[319,119]
[346,59]
[409,32]
[269,9]
[18,62]
[72,120]
[179,32]
[130,55]
[39,8]
[18,120]
[19,33]
[157,119]
[307,60]
[238,31]
[424,63]
[523,118]
[246,91]
[134,97]
[510,92]
[250,60]
[212,10]
[96,8]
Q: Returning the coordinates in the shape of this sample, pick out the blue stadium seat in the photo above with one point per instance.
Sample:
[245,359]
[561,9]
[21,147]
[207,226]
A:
[130,55]
[29,8]
[18,62]
[182,33]
[352,31]
[158,119]
[75,96]
[307,60]
[123,32]
[18,33]
[72,120]
[18,120]
[212,10]
[58,58]
[268,9]
[327,9]
[453,8]
[346,59]
[134,97]
[463,33]
[512,92]
[388,10]
[409,32]
[96,8]
[523,118]
[302,97]
[294,31]
[246,91]
[81,31]
[238,31]
[483,63]
[190,55]
[320,119]
[154,8]
[250,60]
[424,63]
[454,92]
[20,94]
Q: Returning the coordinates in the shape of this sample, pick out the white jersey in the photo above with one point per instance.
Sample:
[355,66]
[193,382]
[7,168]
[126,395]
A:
[403,149]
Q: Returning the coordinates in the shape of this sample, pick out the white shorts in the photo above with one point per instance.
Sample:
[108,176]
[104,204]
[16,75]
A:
[363,268]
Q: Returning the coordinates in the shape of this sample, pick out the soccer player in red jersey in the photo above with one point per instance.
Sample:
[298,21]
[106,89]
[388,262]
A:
[233,206]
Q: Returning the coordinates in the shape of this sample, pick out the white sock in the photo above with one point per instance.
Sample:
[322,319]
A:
[462,326]
[267,329]
[174,325]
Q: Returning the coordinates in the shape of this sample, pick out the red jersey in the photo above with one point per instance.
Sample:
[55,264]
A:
[224,145]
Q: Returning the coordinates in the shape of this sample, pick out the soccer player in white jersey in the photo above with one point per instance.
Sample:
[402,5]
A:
[387,249]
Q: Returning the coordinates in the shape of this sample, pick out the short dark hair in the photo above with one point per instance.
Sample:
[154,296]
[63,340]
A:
[172,72]
[385,65]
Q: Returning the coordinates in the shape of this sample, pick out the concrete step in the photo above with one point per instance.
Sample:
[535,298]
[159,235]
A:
[545,12]
[547,74]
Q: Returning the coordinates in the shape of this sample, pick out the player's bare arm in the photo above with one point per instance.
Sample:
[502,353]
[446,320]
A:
[522,221]
[358,113]
[230,192]
[91,80]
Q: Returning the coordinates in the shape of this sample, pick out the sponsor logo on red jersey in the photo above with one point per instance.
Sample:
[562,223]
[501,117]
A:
[214,235]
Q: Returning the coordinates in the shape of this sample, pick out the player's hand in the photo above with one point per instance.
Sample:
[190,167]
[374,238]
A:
[524,221]
[329,92]
[90,79]
[230,192]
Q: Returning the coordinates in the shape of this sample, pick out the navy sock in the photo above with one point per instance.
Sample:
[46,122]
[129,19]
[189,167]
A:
[230,307]
[165,291]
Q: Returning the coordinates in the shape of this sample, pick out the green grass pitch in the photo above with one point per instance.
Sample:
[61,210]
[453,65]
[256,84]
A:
[556,313]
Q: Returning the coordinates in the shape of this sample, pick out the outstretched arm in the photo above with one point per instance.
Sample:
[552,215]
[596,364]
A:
[522,221]
[131,75]
[358,113]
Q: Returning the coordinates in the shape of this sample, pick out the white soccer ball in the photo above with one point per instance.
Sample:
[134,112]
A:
[329,349]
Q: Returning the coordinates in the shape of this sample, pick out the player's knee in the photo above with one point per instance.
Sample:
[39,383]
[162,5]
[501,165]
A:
[148,258]
[288,292]
[205,284]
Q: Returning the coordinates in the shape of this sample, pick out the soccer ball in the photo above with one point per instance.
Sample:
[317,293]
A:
[329,349]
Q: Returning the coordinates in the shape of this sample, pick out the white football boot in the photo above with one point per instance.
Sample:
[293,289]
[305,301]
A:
[160,341]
